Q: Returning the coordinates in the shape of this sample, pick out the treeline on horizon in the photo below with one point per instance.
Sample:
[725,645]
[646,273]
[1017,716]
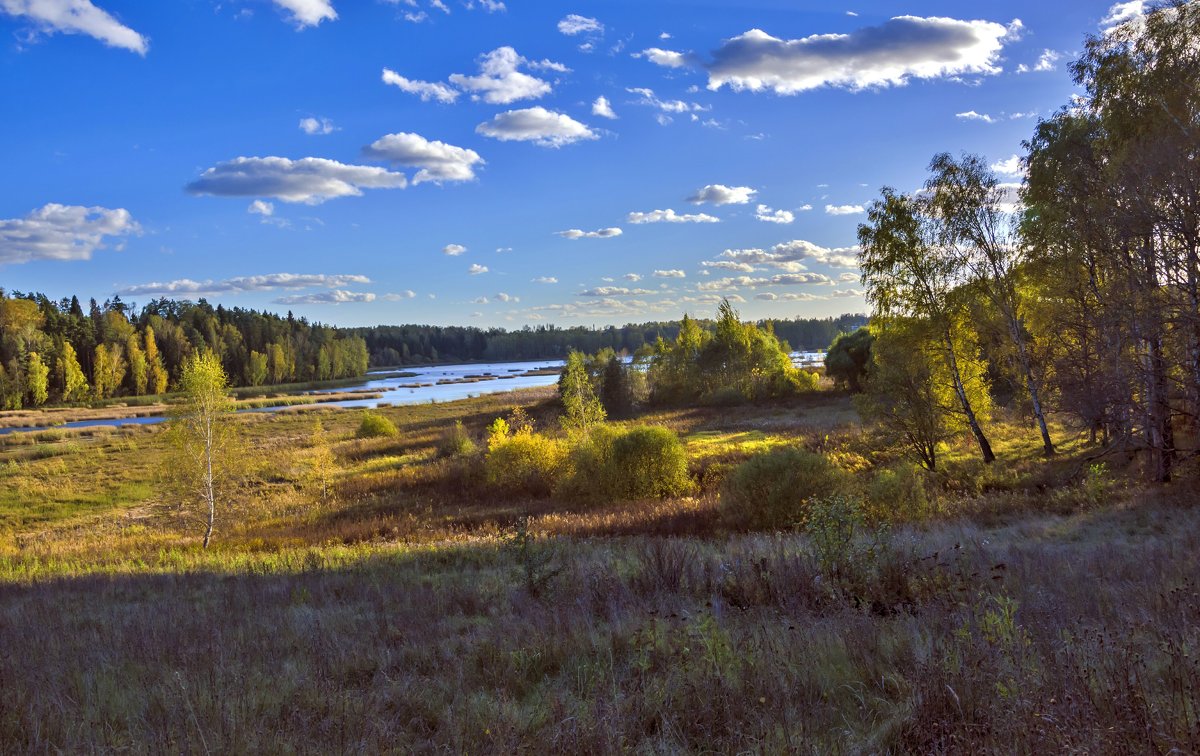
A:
[58,352]
[418,344]
[54,351]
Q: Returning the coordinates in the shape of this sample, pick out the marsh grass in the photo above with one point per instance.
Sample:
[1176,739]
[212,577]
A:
[1034,606]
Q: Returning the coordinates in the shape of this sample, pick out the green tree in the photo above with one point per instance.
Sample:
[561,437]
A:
[37,380]
[139,368]
[849,358]
[204,435]
[256,369]
[108,370]
[582,408]
[69,375]
[908,274]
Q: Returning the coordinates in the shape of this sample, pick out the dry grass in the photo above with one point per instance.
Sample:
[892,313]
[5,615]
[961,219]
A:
[1038,609]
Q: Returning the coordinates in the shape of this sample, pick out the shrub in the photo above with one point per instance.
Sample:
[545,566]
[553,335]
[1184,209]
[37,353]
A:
[726,396]
[524,463]
[650,462]
[642,463]
[898,494]
[375,426]
[772,490]
[455,442]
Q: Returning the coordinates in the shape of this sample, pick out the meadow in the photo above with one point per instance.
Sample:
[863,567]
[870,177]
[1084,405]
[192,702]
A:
[374,594]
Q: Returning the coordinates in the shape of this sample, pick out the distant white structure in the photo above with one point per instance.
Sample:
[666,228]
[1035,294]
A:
[808,359]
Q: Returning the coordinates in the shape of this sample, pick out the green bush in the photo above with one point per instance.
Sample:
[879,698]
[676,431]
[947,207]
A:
[772,490]
[641,463]
[899,494]
[726,396]
[375,426]
[650,462]
[524,463]
[455,442]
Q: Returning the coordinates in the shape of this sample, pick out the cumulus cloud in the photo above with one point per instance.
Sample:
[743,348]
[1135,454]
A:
[665,58]
[844,209]
[453,250]
[399,295]
[667,106]
[309,180]
[575,24]
[479,300]
[544,128]
[1009,166]
[1123,12]
[767,215]
[258,207]
[787,255]
[615,291]
[601,107]
[317,126]
[499,82]
[670,216]
[76,17]
[603,233]
[476,269]
[437,161]
[1047,61]
[719,194]
[632,277]
[332,297]
[62,232]
[241,284]
[675,273]
[426,90]
[730,265]
[308,12]
[971,115]
[503,297]
[545,280]
[890,54]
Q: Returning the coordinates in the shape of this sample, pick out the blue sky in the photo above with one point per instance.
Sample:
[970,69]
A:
[486,163]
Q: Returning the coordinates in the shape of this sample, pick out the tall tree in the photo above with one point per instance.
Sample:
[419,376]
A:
[908,274]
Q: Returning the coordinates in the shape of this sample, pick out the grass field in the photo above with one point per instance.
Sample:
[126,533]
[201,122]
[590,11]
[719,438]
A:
[1035,606]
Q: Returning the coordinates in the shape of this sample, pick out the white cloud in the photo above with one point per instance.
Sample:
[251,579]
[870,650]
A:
[476,269]
[479,300]
[603,233]
[258,207]
[309,180]
[453,250]
[767,215]
[890,54]
[730,265]
[266,282]
[426,90]
[1122,12]
[503,297]
[670,216]
[1009,167]
[665,58]
[308,12]
[399,295]
[601,107]
[615,291]
[332,297]
[76,17]
[575,24]
[61,232]
[719,194]
[538,125]
[499,82]
[804,208]
[847,277]
[670,274]
[632,277]
[667,106]
[545,280]
[317,126]
[1047,61]
[787,255]
[437,161]
[844,209]
[971,115]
